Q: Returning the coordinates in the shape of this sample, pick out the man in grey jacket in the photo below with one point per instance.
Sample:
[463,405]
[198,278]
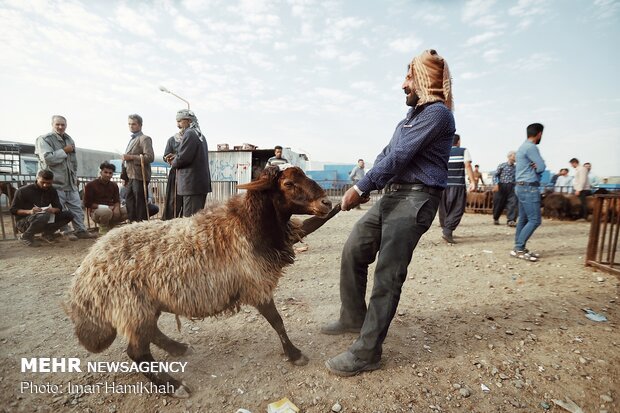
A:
[192,164]
[56,152]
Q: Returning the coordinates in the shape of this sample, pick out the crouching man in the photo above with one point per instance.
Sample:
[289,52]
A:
[101,197]
[37,210]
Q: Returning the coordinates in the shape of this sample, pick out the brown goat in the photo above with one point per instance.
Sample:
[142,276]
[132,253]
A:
[211,263]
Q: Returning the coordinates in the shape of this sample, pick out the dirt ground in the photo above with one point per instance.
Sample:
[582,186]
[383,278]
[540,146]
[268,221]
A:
[469,315]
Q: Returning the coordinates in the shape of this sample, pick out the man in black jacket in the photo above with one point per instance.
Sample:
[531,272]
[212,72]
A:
[37,209]
[192,164]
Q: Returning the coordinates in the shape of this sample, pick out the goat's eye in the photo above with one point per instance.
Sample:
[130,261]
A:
[289,184]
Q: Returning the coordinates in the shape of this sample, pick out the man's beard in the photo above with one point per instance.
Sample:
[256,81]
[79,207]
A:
[412,99]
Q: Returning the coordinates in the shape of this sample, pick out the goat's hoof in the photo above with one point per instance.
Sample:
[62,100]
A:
[188,350]
[301,361]
[182,392]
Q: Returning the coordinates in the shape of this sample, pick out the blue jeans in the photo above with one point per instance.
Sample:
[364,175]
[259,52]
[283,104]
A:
[70,201]
[529,214]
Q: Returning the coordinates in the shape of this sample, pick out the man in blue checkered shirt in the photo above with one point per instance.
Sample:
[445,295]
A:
[413,168]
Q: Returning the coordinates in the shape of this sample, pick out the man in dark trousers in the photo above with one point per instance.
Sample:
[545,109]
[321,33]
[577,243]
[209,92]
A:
[504,191]
[138,157]
[454,198]
[192,164]
[37,209]
[413,170]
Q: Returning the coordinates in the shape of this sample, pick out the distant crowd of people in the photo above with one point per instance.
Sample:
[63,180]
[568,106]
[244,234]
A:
[53,201]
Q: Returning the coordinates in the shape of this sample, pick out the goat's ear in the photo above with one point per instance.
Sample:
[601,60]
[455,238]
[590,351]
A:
[268,179]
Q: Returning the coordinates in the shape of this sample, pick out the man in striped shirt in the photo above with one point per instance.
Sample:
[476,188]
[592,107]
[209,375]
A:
[452,206]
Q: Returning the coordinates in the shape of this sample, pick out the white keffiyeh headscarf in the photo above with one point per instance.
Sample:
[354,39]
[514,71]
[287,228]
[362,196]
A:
[193,120]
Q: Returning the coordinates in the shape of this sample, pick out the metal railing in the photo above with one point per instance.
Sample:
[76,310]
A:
[604,228]
[221,191]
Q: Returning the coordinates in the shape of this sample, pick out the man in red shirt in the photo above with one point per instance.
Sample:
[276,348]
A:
[102,198]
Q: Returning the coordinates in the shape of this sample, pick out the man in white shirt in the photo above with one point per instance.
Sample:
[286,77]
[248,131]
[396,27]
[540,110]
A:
[564,182]
[581,185]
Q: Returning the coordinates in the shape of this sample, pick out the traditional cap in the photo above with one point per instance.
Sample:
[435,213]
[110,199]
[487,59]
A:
[431,78]
[186,114]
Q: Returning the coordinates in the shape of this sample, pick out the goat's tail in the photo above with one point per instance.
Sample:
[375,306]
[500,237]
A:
[95,337]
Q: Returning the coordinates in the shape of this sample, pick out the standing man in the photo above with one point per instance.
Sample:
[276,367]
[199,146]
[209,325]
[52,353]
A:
[37,209]
[529,168]
[504,191]
[564,182]
[174,202]
[101,196]
[413,169]
[277,159]
[357,173]
[192,164]
[56,152]
[454,198]
[137,165]
[477,176]
[581,185]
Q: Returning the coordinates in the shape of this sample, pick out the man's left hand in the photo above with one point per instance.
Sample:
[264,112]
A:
[351,199]
[127,157]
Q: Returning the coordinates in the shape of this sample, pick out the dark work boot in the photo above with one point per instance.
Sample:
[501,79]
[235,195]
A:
[337,327]
[347,364]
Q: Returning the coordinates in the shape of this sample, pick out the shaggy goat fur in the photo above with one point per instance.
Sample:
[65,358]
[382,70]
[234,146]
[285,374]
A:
[208,264]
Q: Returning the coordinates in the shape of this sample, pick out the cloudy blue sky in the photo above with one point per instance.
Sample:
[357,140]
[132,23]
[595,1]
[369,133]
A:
[322,77]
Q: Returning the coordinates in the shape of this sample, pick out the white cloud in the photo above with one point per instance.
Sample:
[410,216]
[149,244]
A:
[364,86]
[536,61]
[260,60]
[328,53]
[133,21]
[302,8]
[351,59]
[527,8]
[189,28]
[606,9]
[473,75]
[492,55]
[474,9]
[481,38]
[405,44]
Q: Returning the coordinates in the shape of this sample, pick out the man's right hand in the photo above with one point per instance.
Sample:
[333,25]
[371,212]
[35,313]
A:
[35,210]
[495,188]
[68,149]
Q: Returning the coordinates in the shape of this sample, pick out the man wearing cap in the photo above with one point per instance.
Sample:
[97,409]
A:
[192,164]
[413,168]
[137,166]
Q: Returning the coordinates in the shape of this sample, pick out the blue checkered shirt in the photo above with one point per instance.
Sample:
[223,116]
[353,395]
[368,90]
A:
[418,151]
[504,174]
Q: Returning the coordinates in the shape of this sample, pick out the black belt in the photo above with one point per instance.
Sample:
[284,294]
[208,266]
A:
[527,183]
[414,187]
